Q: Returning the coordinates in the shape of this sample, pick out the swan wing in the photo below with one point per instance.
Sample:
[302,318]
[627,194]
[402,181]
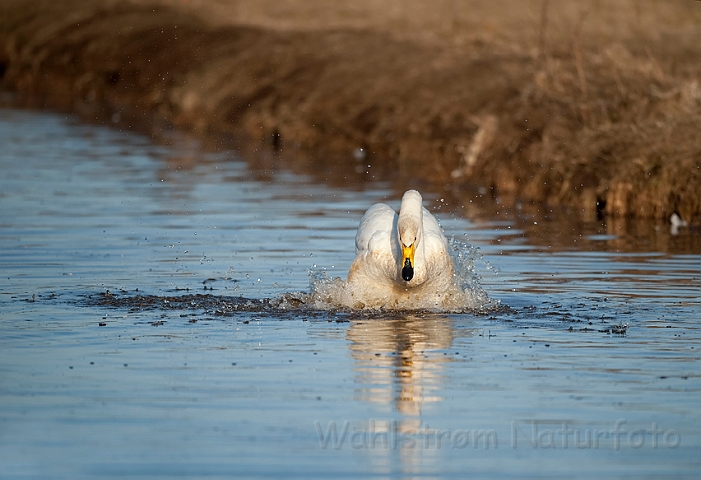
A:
[435,247]
[379,221]
[376,258]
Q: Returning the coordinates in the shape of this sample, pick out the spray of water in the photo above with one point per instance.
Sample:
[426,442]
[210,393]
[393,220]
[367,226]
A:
[464,294]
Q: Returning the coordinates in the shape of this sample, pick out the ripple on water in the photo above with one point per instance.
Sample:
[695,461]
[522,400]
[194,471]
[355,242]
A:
[158,311]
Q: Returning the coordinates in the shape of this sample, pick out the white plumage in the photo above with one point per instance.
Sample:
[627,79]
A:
[402,261]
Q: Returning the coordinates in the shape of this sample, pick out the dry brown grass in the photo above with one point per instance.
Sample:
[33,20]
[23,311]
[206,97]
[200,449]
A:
[586,104]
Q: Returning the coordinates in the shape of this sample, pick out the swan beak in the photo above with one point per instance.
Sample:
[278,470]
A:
[408,262]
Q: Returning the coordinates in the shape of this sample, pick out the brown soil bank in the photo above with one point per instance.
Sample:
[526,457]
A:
[590,105]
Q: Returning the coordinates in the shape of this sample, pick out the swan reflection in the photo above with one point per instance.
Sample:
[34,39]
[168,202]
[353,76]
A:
[399,361]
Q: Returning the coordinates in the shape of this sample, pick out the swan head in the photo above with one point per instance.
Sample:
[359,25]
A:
[409,231]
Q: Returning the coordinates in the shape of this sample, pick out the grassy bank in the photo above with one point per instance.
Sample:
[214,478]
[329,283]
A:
[577,104]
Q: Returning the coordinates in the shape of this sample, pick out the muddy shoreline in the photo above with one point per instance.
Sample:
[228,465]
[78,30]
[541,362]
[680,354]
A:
[602,127]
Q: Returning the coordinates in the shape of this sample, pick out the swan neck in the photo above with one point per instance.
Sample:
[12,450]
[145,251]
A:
[410,223]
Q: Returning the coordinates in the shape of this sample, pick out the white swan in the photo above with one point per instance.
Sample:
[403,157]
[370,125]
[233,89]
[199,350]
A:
[402,261]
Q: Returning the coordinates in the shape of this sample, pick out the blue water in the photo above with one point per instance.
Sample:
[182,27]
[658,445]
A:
[587,367]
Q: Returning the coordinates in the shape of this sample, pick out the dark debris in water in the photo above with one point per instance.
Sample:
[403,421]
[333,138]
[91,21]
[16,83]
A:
[295,306]
[596,316]
[202,305]
[615,329]
[289,304]
[208,303]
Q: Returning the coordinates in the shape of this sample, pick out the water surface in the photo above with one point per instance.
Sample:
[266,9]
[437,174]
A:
[142,332]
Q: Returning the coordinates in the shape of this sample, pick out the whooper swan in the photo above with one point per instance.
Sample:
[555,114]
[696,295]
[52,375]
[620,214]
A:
[402,261]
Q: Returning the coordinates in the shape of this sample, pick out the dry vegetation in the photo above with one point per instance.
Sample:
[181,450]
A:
[584,104]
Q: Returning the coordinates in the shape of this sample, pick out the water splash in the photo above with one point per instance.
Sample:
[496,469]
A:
[332,294]
[464,294]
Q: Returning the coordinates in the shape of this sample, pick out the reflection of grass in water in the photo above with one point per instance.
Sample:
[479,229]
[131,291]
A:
[592,82]
[582,104]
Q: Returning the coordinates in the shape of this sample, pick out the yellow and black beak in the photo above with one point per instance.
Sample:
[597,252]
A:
[408,262]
